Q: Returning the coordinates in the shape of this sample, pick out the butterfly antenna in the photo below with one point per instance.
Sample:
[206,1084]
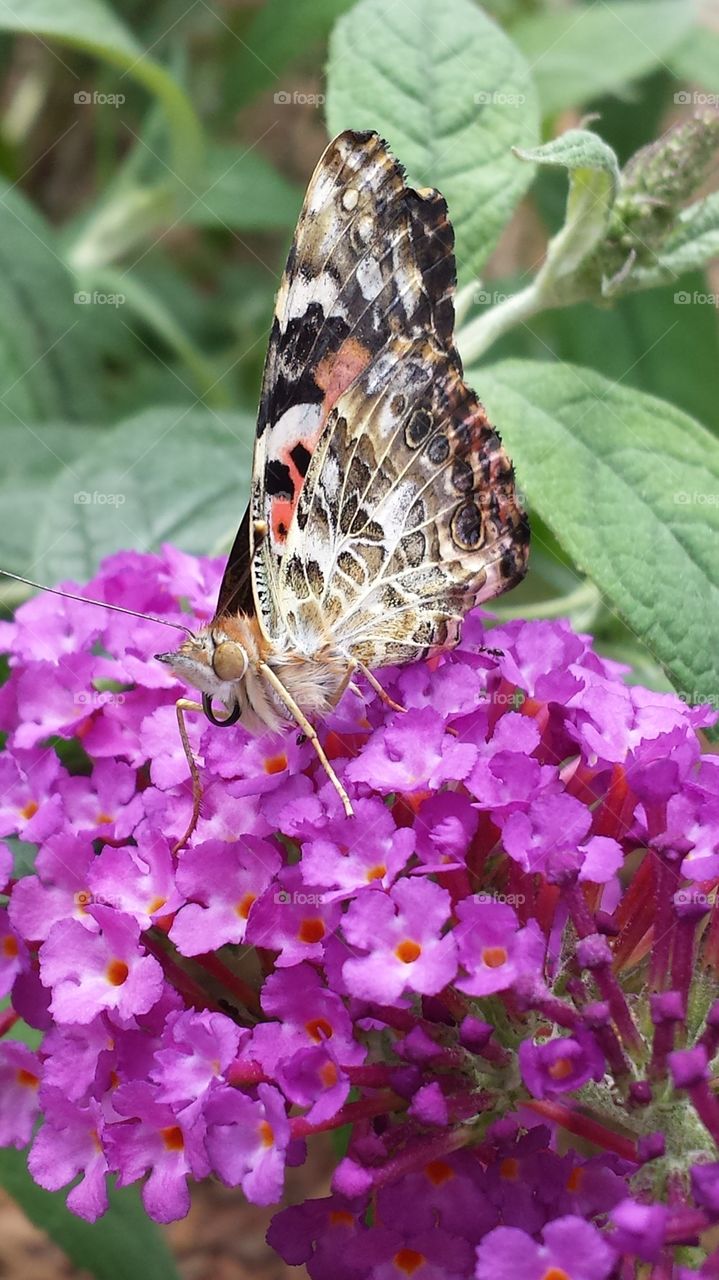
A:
[102,604]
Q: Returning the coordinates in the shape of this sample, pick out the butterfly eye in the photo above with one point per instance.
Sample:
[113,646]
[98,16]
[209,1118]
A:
[229,660]
[231,718]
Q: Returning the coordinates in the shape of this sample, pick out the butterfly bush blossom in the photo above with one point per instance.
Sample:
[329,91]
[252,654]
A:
[498,978]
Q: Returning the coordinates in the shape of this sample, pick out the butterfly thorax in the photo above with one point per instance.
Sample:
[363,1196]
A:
[229,660]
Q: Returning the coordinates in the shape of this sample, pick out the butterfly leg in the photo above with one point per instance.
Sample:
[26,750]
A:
[371,679]
[310,732]
[181,706]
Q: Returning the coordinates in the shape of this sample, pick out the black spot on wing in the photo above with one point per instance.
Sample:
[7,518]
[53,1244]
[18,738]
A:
[278,481]
[301,458]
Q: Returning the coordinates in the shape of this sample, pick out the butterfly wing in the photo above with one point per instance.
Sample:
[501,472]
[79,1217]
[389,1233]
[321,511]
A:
[408,516]
[370,258]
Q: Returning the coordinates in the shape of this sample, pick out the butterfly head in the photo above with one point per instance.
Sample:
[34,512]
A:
[211,661]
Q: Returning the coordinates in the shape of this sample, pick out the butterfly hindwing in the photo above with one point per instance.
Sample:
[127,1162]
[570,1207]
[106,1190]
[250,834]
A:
[408,516]
[371,259]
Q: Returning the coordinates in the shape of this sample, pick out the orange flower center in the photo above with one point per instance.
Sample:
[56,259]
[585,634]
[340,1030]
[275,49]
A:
[30,810]
[560,1069]
[407,950]
[555,1273]
[243,906]
[509,1169]
[311,931]
[341,1218]
[27,1078]
[494,957]
[438,1171]
[275,764]
[10,947]
[318,1029]
[267,1136]
[376,873]
[172,1138]
[117,972]
[408,1260]
[328,1074]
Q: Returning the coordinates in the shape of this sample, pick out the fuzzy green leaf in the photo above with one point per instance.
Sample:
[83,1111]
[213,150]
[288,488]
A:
[451,94]
[630,487]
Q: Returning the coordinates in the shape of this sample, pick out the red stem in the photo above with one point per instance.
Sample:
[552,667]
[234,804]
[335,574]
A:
[583,1127]
[364,1109]
[236,985]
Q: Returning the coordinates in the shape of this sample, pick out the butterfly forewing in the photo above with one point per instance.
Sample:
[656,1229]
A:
[383,505]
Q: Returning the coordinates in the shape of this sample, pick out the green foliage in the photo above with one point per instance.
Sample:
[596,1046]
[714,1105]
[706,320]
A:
[161,477]
[630,487]
[439,82]
[578,52]
[121,1246]
[152,164]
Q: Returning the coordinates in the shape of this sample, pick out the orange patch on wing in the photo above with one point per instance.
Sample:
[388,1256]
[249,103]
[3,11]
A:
[281,516]
[338,370]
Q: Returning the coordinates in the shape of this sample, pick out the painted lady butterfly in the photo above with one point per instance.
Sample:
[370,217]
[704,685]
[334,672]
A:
[383,505]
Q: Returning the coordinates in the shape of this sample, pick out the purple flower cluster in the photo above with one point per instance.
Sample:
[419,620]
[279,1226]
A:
[497,978]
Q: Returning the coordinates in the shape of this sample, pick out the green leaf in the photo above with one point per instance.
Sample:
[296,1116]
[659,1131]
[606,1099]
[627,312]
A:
[278,34]
[123,1245]
[577,52]
[645,340]
[452,96]
[692,243]
[31,458]
[593,182]
[92,27]
[49,363]
[696,59]
[630,487]
[169,475]
[242,191]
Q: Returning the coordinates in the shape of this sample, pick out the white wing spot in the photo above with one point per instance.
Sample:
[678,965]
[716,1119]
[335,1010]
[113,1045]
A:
[350,198]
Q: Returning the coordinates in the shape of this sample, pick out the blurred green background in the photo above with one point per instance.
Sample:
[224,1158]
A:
[153,160]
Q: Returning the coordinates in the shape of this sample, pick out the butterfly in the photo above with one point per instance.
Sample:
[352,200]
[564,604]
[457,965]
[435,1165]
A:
[383,505]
